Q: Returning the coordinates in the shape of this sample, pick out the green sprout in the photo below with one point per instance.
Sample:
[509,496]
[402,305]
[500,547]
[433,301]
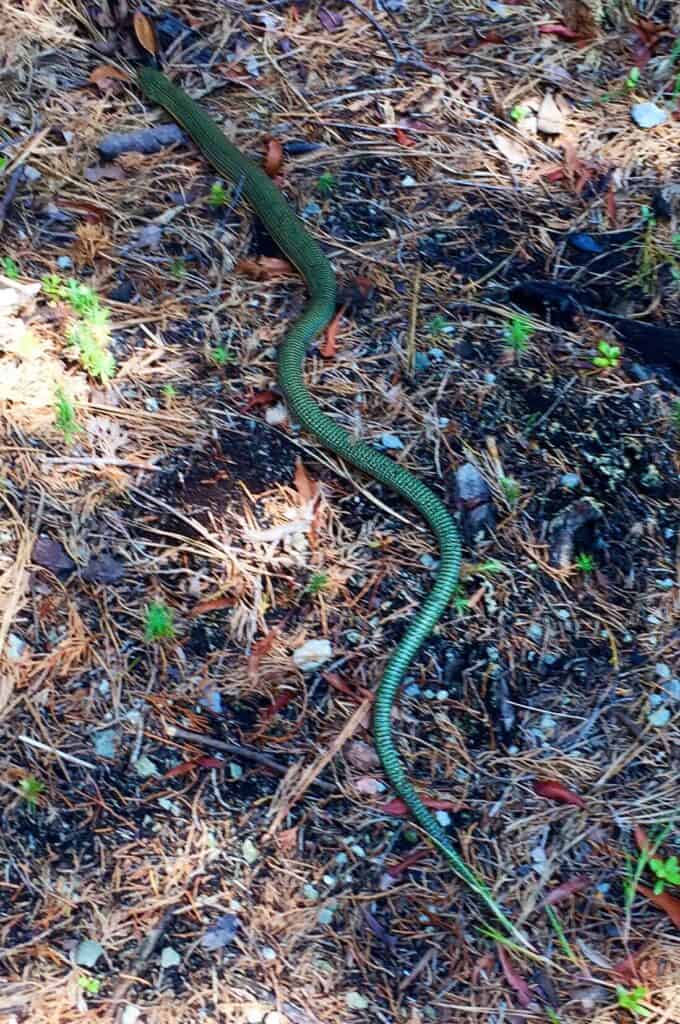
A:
[169,392]
[158,623]
[89,985]
[460,601]
[517,333]
[518,113]
[510,489]
[52,285]
[90,340]
[10,267]
[65,416]
[178,268]
[221,355]
[3,163]
[608,357]
[666,871]
[82,299]
[629,999]
[218,195]
[31,788]
[438,324]
[326,183]
[633,78]
[318,582]
[675,414]
[585,563]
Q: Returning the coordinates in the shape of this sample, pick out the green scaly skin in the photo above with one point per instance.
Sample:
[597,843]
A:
[303,250]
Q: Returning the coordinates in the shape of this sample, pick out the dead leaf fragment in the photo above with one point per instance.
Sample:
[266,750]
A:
[104,75]
[550,118]
[145,32]
[273,159]
[513,151]
[264,268]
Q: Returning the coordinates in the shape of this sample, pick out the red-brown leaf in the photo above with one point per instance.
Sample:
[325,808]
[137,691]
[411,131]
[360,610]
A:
[264,268]
[273,158]
[664,901]
[259,649]
[330,342]
[558,30]
[399,808]
[641,838]
[551,789]
[210,762]
[515,980]
[407,862]
[566,889]
[306,487]
[181,769]
[403,139]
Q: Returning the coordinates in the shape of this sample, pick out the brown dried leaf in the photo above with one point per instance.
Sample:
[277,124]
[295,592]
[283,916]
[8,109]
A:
[145,32]
[306,487]
[273,159]
[104,75]
[264,268]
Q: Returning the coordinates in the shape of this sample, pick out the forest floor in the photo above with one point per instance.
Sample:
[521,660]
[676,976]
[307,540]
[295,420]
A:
[196,602]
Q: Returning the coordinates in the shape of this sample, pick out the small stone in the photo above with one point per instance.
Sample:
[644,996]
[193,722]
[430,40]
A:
[570,480]
[254,1015]
[648,115]
[16,646]
[391,442]
[443,817]
[355,1001]
[235,770]
[88,952]
[563,614]
[421,361]
[170,958]
[672,689]
[268,953]
[325,916]
[250,851]
[104,743]
[660,717]
[65,263]
[312,655]
[310,892]
[145,767]
[662,671]
[311,209]
[408,181]
[655,699]
[412,690]
[535,631]
[438,353]
[666,584]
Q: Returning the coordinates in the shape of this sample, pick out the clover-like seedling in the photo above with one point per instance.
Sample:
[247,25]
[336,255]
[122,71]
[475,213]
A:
[608,357]
[667,873]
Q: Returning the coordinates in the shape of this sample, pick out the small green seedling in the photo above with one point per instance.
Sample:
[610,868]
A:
[633,78]
[325,183]
[89,985]
[221,355]
[218,195]
[318,582]
[169,392]
[630,999]
[585,563]
[158,623]
[9,267]
[510,489]
[667,873]
[518,113]
[52,285]
[31,788]
[65,416]
[517,333]
[90,340]
[438,324]
[178,268]
[647,215]
[3,163]
[82,299]
[608,357]
[675,414]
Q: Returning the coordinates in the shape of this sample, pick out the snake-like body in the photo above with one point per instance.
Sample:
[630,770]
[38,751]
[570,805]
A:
[304,252]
